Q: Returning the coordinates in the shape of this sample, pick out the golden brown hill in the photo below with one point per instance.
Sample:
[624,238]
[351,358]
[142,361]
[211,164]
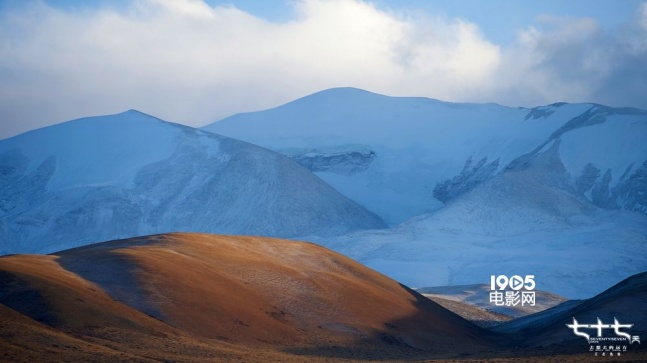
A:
[193,297]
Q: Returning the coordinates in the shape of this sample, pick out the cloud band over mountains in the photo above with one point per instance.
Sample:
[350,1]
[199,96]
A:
[189,62]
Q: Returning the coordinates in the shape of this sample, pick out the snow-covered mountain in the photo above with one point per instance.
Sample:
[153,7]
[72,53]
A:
[131,174]
[472,190]
[401,157]
[469,190]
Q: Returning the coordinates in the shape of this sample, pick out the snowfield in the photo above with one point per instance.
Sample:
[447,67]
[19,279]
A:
[576,262]
[427,152]
[473,190]
[130,174]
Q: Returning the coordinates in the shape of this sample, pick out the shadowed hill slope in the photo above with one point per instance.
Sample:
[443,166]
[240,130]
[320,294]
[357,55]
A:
[625,301]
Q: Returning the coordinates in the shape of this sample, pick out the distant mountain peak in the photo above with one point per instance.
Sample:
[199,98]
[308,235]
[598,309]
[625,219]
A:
[346,90]
[133,112]
[341,95]
[352,94]
[135,115]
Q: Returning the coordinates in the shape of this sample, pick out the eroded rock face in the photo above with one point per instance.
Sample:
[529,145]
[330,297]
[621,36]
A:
[470,176]
[631,192]
[605,188]
[345,160]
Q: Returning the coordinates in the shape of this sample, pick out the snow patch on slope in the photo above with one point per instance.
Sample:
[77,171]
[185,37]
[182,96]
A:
[522,222]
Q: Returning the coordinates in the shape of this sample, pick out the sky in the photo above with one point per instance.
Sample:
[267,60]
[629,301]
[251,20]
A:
[198,61]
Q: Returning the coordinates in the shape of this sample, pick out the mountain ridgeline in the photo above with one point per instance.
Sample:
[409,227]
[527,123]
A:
[459,185]
[404,156]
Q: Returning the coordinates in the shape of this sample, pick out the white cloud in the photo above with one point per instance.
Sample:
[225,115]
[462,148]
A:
[185,61]
[574,60]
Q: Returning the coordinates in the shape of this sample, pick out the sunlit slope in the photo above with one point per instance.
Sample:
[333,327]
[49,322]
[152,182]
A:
[249,291]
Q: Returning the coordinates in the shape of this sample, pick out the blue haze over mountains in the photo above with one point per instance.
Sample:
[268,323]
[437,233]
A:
[427,192]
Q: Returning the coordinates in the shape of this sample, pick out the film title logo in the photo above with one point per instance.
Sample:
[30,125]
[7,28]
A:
[600,345]
[512,291]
